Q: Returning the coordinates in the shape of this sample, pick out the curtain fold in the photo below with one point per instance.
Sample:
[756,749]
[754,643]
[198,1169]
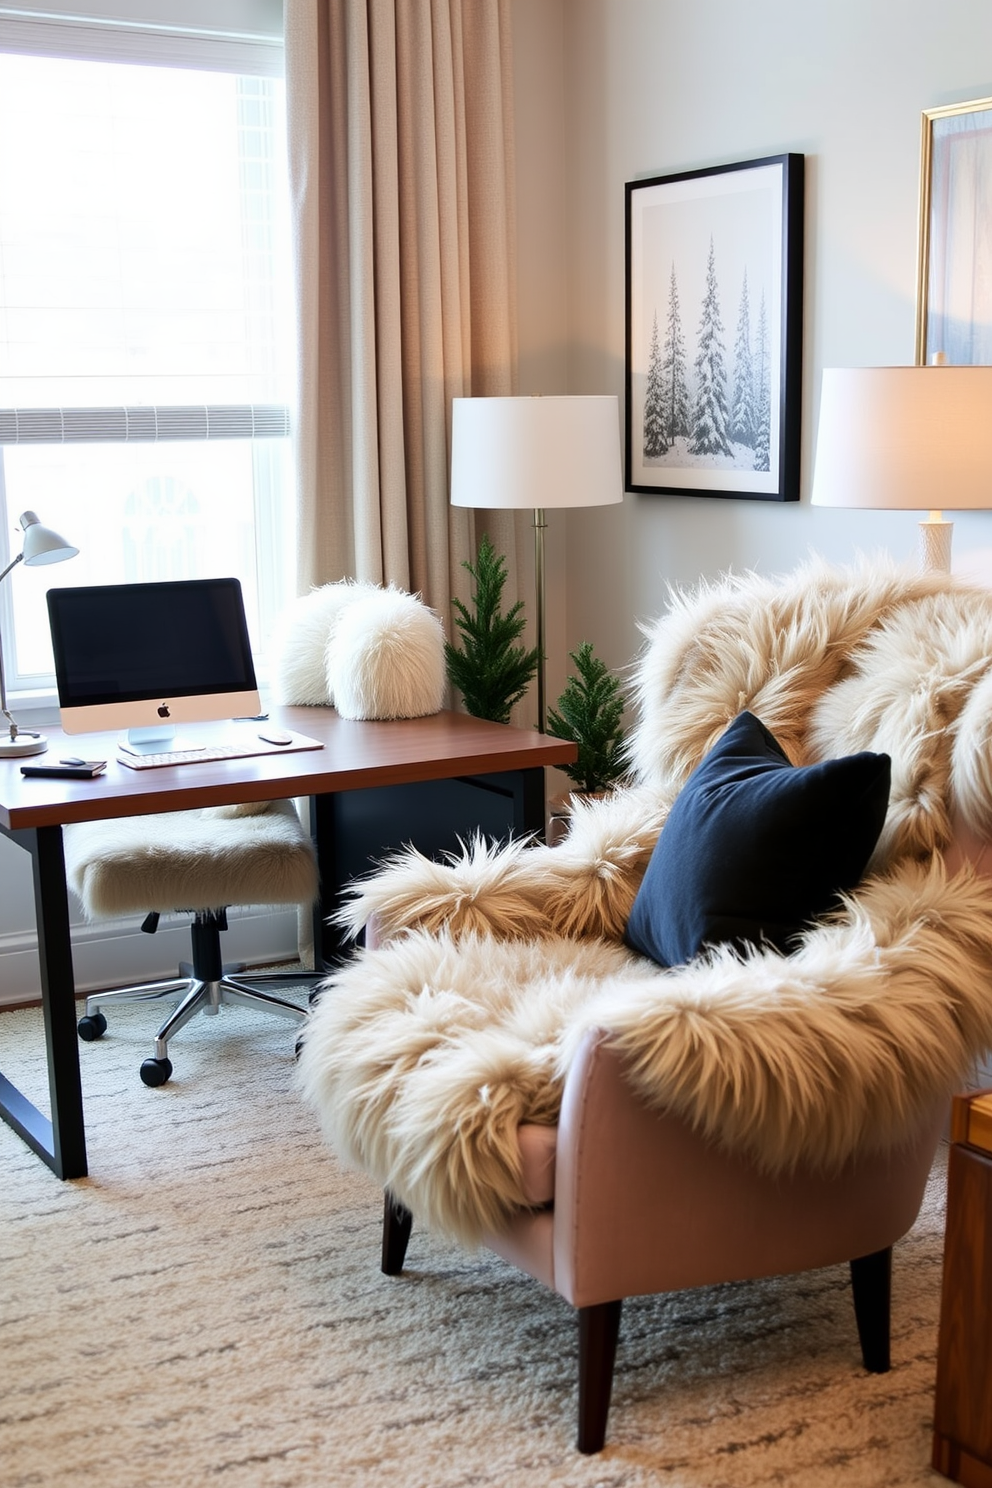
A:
[401,171]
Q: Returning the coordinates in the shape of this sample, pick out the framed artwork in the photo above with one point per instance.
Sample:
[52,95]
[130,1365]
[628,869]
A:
[954,277]
[714,331]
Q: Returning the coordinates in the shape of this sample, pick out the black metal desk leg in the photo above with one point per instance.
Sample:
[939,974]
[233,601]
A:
[330,945]
[61,1142]
[531,806]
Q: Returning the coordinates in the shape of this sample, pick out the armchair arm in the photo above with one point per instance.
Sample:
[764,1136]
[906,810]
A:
[520,890]
[643,1204]
[488,888]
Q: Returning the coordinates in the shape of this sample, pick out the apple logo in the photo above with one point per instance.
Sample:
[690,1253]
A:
[163,710]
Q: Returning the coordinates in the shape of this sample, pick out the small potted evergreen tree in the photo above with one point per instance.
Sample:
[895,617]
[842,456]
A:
[590,714]
[491,669]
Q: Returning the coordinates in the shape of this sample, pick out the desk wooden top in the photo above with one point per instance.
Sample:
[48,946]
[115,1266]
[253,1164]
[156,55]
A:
[971,1120]
[355,755]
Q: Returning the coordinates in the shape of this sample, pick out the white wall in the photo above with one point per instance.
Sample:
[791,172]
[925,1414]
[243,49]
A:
[657,86]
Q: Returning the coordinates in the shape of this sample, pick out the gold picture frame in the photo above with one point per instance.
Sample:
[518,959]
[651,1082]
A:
[954,270]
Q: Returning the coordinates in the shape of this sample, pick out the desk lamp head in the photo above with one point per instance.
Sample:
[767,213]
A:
[40,545]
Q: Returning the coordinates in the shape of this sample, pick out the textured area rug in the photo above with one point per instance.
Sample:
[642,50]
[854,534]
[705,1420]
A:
[207,1307]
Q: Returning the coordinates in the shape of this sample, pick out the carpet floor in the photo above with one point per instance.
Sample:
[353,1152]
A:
[207,1307]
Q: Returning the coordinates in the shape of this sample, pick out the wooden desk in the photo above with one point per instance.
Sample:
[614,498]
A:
[355,756]
[962,1436]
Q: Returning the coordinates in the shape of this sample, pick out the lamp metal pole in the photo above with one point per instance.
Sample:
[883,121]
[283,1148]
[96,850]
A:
[539,529]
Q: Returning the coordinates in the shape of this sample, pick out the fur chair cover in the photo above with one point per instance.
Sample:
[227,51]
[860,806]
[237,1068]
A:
[368,651]
[190,860]
[425,1055]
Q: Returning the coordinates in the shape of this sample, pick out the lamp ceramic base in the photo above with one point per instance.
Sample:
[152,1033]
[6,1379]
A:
[22,746]
[935,546]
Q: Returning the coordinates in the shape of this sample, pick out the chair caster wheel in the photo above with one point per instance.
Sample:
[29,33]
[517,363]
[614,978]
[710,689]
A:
[91,1026]
[156,1071]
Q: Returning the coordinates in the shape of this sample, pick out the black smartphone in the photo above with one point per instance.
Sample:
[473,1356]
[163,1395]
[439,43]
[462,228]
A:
[88,770]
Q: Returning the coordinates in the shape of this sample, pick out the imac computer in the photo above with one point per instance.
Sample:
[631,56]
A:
[145,657]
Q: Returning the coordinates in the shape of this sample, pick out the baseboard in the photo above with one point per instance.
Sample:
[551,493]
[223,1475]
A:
[116,952]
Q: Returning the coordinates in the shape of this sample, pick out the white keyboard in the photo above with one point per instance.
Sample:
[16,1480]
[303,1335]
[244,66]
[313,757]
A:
[213,752]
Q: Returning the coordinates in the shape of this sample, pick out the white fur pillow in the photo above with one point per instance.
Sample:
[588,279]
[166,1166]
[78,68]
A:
[299,655]
[371,652]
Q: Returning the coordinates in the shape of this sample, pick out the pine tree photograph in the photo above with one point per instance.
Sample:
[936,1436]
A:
[710,414]
[763,399]
[674,370]
[655,442]
[742,401]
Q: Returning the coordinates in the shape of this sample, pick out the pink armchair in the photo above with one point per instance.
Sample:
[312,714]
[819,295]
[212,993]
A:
[514,1076]
[628,1201]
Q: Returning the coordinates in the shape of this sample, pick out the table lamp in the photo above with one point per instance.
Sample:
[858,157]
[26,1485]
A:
[907,439]
[536,452]
[41,545]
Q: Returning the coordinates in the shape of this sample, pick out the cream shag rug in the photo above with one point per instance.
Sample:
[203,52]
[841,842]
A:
[207,1307]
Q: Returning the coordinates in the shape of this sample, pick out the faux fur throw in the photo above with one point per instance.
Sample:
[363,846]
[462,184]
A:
[424,1055]
[372,652]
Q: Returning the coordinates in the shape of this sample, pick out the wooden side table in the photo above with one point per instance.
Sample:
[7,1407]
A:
[962,1437]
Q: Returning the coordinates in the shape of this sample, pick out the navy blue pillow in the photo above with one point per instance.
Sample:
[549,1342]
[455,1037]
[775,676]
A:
[755,848]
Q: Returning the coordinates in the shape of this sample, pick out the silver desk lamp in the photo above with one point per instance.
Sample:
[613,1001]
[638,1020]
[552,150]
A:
[41,545]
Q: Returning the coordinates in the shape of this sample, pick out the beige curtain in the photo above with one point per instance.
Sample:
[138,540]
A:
[401,167]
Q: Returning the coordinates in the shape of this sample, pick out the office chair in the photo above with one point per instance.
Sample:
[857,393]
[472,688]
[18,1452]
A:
[200,862]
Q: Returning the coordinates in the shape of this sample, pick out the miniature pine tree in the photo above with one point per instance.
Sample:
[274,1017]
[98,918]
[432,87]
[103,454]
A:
[590,712]
[490,669]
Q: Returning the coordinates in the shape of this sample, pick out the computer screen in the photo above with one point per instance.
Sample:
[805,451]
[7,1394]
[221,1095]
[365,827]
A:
[149,656]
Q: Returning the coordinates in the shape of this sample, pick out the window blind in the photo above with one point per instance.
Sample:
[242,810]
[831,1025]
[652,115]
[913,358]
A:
[242,36]
[143,425]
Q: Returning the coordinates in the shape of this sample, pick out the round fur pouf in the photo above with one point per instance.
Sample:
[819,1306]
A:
[370,652]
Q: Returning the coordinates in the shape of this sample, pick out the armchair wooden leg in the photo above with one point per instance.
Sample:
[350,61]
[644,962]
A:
[599,1328]
[397,1222]
[871,1281]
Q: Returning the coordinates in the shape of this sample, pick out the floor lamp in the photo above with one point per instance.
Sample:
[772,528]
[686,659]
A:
[41,545]
[907,439]
[512,453]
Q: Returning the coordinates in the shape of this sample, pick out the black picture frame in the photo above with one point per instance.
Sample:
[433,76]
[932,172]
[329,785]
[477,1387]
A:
[716,411]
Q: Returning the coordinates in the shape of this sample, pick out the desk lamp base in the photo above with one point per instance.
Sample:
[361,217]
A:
[22,745]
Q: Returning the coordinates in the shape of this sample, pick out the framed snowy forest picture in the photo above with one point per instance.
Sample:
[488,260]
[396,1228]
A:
[714,330]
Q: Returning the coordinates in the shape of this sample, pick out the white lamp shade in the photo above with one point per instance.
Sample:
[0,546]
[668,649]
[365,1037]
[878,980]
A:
[535,452]
[41,544]
[905,438]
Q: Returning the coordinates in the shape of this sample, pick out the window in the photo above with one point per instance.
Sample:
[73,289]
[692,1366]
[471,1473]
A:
[145,313]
